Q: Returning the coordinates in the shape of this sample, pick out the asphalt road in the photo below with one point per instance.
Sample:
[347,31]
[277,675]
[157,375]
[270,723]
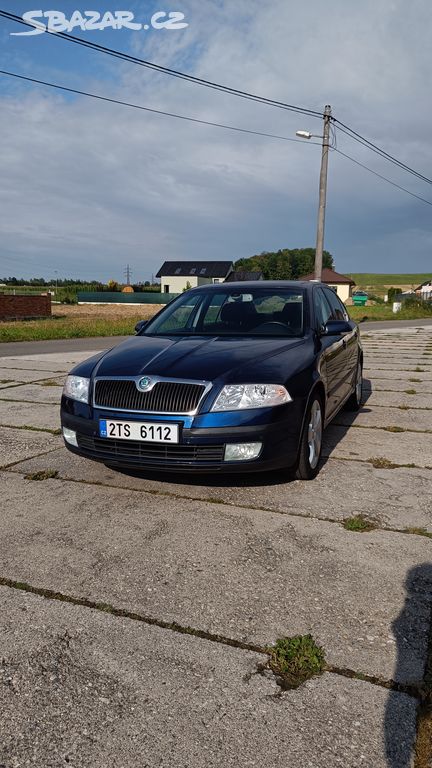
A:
[12,349]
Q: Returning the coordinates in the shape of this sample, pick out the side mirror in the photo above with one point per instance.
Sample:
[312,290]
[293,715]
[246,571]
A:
[141,324]
[336,328]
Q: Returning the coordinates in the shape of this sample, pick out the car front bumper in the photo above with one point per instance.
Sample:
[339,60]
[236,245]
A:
[202,439]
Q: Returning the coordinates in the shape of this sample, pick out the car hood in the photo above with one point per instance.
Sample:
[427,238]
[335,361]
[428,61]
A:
[199,357]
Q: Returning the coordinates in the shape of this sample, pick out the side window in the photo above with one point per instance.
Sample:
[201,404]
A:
[323,311]
[338,309]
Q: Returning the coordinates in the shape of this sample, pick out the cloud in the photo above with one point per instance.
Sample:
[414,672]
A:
[87,186]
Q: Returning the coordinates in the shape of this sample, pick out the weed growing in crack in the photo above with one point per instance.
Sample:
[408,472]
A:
[419,532]
[296,659]
[49,383]
[379,462]
[359,524]
[43,474]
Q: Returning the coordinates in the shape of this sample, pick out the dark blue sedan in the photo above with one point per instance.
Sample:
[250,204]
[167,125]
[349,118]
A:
[229,377]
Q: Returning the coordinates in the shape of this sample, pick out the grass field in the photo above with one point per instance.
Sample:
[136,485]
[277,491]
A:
[71,322]
[385,312]
[74,322]
[379,284]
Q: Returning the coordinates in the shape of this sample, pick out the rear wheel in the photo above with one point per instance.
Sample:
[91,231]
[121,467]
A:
[311,441]
[354,401]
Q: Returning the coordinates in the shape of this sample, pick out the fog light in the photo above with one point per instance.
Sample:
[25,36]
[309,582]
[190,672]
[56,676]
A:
[242,451]
[70,436]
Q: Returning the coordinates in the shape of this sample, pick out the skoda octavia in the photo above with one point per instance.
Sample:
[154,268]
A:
[229,377]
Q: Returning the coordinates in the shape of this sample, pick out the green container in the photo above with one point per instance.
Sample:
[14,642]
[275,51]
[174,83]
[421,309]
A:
[359,301]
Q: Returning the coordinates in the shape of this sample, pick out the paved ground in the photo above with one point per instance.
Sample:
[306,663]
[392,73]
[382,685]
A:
[135,610]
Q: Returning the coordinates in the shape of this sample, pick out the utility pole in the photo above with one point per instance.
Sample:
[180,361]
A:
[322,194]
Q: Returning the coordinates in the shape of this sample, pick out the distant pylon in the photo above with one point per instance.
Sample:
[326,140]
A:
[128,274]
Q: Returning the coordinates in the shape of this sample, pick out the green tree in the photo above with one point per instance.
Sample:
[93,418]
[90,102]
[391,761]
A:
[284,264]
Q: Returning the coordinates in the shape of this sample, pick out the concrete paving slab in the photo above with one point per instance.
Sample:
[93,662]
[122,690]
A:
[399,385]
[33,393]
[250,575]
[396,499]
[399,358]
[382,416]
[395,342]
[398,399]
[362,444]
[21,375]
[19,444]
[398,355]
[402,371]
[31,365]
[87,689]
[29,414]
[393,375]
[58,358]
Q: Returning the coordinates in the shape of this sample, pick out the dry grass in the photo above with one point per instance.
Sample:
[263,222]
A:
[75,311]
[76,321]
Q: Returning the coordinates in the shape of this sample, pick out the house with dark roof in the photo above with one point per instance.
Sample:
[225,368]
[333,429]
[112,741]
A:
[342,284]
[239,276]
[177,276]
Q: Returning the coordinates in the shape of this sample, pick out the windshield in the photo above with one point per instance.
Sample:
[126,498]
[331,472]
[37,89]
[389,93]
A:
[254,312]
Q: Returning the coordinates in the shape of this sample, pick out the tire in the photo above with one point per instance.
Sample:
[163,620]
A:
[355,400]
[311,441]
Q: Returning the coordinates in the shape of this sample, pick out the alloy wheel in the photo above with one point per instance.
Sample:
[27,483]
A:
[315,433]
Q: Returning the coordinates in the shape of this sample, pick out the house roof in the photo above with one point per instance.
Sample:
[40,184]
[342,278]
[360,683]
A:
[330,276]
[195,268]
[240,276]
[426,282]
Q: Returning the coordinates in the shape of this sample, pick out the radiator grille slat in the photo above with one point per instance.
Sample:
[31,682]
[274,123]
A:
[132,449]
[164,397]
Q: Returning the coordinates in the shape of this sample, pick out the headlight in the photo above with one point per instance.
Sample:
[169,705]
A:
[239,396]
[77,388]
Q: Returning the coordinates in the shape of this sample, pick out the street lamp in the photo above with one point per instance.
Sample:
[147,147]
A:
[322,188]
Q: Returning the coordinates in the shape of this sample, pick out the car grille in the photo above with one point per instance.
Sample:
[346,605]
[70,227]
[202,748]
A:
[164,397]
[154,452]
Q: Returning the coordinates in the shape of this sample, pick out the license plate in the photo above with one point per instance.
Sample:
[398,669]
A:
[147,431]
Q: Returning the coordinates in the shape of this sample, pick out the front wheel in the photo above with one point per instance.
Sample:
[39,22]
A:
[311,441]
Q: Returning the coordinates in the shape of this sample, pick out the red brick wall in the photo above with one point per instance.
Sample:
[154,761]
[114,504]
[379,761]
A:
[12,307]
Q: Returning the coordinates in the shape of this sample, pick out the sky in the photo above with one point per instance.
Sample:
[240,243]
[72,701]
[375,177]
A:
[87,187]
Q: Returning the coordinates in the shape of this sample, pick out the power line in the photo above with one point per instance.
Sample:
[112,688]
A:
[225,89]
[381,152]
[154,111]
[165,70]
[384,178]
[207,122]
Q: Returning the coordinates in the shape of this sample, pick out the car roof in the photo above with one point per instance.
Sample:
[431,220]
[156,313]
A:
[244,285]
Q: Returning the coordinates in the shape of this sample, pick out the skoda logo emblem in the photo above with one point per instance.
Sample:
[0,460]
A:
[144,383]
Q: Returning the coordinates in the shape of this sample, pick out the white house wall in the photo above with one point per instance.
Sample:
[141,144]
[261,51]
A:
[342,290]
[178,283]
